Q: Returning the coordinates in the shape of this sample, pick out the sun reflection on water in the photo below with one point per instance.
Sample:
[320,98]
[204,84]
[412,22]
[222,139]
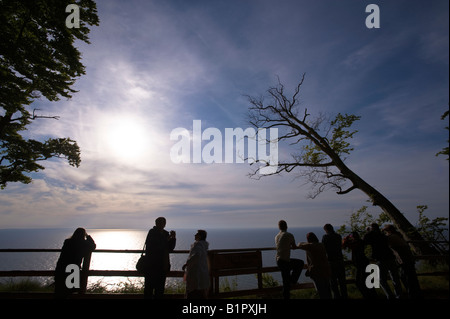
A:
[119,239]
[123,239]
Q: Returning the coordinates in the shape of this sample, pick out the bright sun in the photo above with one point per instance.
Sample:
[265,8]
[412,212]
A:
[125,137]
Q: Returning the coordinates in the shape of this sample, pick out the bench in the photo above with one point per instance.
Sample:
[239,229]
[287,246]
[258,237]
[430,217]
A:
[233,263]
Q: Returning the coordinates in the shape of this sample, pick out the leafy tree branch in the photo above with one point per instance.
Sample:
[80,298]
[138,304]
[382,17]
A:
[38,59]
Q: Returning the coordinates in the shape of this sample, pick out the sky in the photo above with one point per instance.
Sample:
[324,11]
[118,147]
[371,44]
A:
[154,66]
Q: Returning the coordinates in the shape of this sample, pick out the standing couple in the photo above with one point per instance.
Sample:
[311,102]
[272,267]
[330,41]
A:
[158,245]
[318,268]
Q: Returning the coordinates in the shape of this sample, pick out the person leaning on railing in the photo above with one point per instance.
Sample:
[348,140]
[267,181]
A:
[73,251]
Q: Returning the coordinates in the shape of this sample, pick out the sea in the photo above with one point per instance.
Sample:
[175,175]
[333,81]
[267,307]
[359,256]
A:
[132,239]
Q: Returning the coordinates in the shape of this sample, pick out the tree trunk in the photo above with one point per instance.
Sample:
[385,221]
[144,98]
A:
[4,121]
[283,113]
[408,231]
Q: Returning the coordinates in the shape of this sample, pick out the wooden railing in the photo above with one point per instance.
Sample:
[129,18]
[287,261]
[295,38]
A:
[223,262]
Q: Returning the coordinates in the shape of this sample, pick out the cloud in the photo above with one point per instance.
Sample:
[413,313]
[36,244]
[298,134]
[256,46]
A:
[160,66]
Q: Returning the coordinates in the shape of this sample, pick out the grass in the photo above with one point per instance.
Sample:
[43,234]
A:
[433,287]
[24,285]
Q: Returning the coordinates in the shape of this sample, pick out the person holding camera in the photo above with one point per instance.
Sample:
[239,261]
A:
[73,251]
[158,245]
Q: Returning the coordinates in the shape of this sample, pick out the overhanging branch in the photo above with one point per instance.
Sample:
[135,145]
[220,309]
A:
[347,190]
[42,116]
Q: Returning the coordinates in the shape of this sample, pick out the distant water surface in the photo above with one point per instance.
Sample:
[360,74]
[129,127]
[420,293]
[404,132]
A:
[134,239]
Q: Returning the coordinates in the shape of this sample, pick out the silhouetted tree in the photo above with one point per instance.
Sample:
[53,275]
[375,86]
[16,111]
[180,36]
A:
[37,58]
[321,147]
[445,150]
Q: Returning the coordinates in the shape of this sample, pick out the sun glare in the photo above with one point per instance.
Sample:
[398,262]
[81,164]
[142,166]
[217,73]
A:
[125,138]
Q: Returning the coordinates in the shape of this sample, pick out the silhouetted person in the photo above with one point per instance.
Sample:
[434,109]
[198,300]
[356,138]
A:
[73,251]
[196,268]
[333,245]
[291,268]
[406,261]
[385,260]
[360,260]
[318,266]
[158,245]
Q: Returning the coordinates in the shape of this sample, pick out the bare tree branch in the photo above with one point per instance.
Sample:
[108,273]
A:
[42,116]
[319,157]
[347,190]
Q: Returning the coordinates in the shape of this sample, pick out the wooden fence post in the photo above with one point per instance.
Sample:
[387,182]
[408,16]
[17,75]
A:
[85,272]
[259,273]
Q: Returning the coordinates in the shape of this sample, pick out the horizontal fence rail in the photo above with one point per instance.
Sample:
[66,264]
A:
[236,269]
